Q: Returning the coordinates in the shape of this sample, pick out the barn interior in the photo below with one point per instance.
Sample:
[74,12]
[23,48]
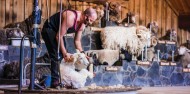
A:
[133,47]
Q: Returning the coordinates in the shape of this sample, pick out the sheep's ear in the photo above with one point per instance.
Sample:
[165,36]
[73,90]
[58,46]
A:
[187,50]
[77,51]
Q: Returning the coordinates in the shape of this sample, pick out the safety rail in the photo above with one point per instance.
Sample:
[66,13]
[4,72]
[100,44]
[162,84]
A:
[24,72]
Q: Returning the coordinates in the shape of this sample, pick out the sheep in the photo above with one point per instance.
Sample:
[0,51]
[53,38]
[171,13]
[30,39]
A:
[132,39]
[171,35]
[70,76]
[184,55]
[25,26]
[11,70]
[153,26]
[114,11]
[104,56]
[7,33]
[129,20]
[100,13]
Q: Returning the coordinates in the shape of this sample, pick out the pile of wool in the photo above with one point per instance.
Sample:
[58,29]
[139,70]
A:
[132,39]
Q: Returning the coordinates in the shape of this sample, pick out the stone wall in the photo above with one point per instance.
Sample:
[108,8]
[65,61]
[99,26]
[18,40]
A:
[131,74]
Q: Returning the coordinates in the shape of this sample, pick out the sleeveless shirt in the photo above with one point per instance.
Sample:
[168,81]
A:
[53,22]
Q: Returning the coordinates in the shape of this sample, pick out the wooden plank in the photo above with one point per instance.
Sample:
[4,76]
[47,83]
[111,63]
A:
[30,4]
[172,6]
[179,36]
[15,11]
[53,7]
[137,10]
[2,13]
[163,18]
[175,22]
[44,9]
[172,19]
[131,6]
[7,14]
[148,9]
[124,10]
[142,12]
[168,18]
[182,38]
[11,11]
[187,35]
[159,17]
[20,11]
[26,8]
[153,10]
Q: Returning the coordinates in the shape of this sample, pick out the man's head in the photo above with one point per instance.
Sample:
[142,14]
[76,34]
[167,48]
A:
[90,16]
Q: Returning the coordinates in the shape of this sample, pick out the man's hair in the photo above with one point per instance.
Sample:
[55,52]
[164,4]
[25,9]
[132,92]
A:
[89,11]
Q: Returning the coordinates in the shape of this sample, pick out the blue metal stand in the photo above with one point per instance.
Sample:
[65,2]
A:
[33,40]
[36,21]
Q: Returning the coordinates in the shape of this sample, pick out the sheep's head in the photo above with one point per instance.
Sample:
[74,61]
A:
[154,28]
[171,34]
[81,61]
[182,50]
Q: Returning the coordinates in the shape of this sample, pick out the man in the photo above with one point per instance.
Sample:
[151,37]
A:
[71,22]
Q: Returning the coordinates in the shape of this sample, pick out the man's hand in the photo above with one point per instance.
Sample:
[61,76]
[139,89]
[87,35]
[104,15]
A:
[68,57]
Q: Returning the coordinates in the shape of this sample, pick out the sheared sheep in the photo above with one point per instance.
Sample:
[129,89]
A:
[105,56]
[70,76]
[132,39]
[184,55]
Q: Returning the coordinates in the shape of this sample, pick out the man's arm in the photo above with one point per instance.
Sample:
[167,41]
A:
[77,38]
[67,22]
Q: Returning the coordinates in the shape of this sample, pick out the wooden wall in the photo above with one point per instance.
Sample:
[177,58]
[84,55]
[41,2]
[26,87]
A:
[146,10]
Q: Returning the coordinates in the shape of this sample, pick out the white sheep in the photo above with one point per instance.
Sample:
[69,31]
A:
[105,55]
[185,56]
[132,39]
[72,77]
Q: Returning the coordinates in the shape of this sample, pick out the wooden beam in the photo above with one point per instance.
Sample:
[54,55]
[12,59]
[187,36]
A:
[172,7]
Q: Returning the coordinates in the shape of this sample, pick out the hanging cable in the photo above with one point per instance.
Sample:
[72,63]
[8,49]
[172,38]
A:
[60,17]
[47,7]
[59,39]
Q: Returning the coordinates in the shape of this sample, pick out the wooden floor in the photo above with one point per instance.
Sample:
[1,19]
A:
[160,90]
[165,90]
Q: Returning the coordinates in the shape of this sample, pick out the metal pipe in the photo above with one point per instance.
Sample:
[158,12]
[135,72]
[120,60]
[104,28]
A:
[21,63]
[158,53]
[142,55]
[24,74]
[172,56]
[36,21]
[107,11]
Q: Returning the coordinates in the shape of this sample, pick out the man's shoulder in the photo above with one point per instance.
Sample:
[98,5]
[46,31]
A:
[70,13]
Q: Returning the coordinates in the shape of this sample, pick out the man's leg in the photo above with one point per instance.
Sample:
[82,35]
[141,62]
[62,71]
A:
[51,45]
